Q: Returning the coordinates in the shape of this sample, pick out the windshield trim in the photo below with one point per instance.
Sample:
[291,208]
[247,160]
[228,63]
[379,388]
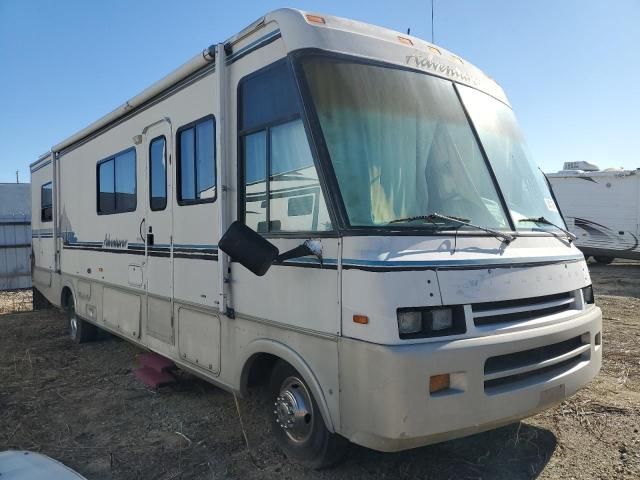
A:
[319,146]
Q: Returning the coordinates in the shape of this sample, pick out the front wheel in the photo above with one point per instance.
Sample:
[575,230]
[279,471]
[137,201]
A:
[79,330]
[297,423]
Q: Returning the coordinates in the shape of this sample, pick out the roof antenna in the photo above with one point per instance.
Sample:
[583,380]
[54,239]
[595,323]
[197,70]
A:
[17,176]
[432,33]
[409,31]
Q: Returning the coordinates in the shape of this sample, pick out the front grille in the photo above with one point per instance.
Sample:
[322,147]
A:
[489,313]
[520,369]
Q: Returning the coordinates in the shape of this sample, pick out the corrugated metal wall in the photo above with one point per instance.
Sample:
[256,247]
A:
[15,236]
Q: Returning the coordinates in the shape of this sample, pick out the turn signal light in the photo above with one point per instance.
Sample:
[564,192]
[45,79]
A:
[361,319]
[315,19]
[438,383]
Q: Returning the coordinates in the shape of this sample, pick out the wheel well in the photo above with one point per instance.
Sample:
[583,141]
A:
[257,370]
[66,297]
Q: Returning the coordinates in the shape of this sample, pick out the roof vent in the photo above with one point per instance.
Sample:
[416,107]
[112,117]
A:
[581,165]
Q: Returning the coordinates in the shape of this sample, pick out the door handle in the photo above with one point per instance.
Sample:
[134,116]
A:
[142,237]
[150,236]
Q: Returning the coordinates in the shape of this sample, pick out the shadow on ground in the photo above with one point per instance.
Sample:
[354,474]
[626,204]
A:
[621,278]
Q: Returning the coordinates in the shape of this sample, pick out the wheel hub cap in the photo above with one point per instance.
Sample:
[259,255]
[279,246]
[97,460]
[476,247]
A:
[293,410]
[73,324]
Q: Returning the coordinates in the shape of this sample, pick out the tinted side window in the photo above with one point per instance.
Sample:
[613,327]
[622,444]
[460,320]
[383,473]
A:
[157,174]
[281,185]
[117,183]
[106,185]
[268,96]
[254,148]
[197,162]
[46,202]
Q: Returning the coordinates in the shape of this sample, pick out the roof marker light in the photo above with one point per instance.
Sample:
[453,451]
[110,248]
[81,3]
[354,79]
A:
[457,59]
[434,50]
[315,19]
[405,40]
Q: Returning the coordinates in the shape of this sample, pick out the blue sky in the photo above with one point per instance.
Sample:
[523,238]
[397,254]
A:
[570,68]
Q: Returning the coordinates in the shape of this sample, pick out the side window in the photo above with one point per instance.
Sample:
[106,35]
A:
[158,174]
[46,202]
[197,162]
[117,183]
[281,186]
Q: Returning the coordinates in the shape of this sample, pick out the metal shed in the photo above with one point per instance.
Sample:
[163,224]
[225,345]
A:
[15,236]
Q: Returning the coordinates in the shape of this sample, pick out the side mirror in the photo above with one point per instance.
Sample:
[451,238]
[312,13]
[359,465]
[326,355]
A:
[248,248]
[257,254]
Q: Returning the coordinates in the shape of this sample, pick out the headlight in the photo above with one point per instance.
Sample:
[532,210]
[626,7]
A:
[440,319]
[431,322]
[587,295]
[409,322]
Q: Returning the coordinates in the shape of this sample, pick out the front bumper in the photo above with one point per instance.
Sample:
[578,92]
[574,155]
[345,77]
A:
[385,400]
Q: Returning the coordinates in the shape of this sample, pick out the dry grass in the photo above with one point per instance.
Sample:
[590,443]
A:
[13,301]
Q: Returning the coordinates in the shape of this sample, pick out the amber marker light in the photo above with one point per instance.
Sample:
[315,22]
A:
[315,19]
[434,50]
[361,319]
[405,40]
[438,383]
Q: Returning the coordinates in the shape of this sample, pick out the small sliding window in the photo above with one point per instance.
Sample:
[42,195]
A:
[158,174]
[116,181]
[46,202]
[197,162]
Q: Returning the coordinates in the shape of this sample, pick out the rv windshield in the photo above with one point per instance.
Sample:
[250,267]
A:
[522,183]
[401,147]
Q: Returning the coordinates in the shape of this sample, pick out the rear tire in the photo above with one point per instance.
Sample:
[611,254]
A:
[80,331]
[603,260]
[297,423]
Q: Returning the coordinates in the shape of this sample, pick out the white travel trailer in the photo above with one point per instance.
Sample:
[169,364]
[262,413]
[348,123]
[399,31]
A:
[420,296]
[602,208]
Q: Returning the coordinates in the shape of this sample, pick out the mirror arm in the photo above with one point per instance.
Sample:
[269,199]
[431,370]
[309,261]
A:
[299,251]
[309,247]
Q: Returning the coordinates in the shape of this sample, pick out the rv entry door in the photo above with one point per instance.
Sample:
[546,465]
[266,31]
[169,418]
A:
[156,230]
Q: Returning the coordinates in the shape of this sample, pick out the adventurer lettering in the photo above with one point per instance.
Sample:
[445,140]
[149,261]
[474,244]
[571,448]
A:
[114,243]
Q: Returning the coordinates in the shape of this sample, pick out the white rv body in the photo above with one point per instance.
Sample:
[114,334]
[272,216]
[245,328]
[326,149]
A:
[602,208]
[182,298]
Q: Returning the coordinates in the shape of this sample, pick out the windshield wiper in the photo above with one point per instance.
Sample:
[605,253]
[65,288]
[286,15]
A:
[570,236]
[506,237]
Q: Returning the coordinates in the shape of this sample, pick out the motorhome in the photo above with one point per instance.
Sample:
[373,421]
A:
[602,208]
[340,210]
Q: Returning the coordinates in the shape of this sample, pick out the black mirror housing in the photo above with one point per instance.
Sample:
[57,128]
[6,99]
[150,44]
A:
[248,248]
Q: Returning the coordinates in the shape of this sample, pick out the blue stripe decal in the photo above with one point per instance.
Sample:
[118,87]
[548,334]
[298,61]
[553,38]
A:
[195,245]
[447,263]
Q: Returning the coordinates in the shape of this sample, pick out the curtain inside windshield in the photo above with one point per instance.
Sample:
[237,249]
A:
[400,145]
[522,183]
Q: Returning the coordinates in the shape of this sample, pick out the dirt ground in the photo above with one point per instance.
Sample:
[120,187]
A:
[80,404]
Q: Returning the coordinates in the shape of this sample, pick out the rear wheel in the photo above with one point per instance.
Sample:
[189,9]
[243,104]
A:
[297,423]
[603,260]
[79,330]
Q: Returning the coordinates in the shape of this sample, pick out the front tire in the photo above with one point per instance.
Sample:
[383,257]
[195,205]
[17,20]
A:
[603,260]
[297,423]
[80,331]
